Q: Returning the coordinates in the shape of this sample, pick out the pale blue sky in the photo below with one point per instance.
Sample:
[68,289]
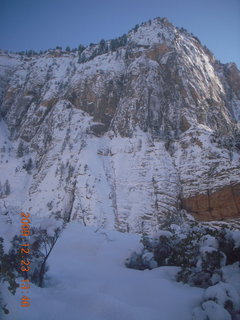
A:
[43,24]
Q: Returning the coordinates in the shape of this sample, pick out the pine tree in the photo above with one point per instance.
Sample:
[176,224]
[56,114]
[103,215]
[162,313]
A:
[80,49]
[81,58]
[20,149]
[102,46]
[7,274]
[29,53]
[136,28]
[123,40]
[68,49]
[6,188]
[29,166]
[113,45]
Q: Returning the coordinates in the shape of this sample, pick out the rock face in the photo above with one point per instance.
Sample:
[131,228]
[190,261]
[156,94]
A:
[221,204]
[122,136]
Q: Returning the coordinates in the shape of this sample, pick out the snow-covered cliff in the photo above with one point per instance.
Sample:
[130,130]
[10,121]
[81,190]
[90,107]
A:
[122,136]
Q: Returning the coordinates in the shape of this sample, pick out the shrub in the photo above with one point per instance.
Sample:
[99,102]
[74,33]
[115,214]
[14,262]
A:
[200,251]
[7,273]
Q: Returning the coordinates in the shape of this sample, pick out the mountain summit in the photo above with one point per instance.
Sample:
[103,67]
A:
[123,134]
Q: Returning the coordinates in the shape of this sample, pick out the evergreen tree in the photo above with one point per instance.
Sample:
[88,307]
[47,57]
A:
[29,166]
[94,53]
[113,45]
[20,149]
[123,40]
[102,46]
[29,53]
[6,188]
[7,274]
[136,28]
[82,58]
[80,49]
[68,49]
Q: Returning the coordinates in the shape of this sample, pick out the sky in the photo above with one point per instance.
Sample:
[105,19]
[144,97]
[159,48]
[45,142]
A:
[44,24]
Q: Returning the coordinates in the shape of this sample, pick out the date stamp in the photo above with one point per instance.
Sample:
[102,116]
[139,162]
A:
[24,254]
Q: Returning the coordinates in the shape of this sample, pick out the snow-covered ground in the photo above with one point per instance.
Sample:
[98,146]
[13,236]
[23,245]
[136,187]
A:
[88,280]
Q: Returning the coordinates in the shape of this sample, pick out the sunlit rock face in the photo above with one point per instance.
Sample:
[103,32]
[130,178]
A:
[122,137]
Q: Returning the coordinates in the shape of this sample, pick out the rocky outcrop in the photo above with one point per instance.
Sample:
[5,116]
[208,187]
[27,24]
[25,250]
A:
[218,205]
[125,138]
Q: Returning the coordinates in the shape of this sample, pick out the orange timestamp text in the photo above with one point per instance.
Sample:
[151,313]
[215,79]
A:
[24,253]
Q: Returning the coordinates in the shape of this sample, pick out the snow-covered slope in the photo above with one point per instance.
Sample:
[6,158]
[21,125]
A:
[87,280]
[126,138]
